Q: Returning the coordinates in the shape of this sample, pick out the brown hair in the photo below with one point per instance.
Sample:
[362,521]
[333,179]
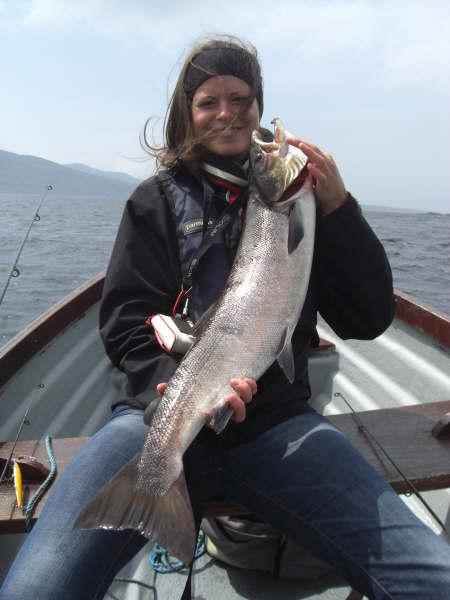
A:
[180,140]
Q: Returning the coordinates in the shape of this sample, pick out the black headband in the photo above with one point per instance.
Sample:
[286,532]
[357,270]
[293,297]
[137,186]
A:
[223,61]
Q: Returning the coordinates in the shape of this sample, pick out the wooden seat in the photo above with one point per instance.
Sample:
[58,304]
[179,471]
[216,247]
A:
[405,433]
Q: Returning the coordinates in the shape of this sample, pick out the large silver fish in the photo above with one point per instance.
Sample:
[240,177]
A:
[250,326]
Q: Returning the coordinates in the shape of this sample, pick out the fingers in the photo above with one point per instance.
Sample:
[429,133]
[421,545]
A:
[238,407]
[320,164]
[322,161]
[309,149]
[161,388]
[292,140]
[246,388]
[329,187]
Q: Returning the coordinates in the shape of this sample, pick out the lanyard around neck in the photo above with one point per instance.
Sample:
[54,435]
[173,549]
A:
[209,236]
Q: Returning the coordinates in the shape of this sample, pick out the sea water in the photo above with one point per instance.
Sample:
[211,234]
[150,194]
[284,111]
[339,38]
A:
[72,240]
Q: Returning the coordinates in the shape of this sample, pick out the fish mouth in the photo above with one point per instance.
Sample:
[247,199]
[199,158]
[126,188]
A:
[283,163]
[268,146]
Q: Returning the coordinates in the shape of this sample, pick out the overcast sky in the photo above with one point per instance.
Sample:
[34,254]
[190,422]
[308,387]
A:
[367,80]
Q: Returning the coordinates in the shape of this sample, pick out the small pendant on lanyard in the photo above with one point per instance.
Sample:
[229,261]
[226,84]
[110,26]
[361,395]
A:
[185,310]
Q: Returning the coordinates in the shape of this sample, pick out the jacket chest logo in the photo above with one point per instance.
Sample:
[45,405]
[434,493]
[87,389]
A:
[196,225]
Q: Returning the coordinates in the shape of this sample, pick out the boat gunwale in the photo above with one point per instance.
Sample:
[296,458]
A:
[31,340]
[423,318]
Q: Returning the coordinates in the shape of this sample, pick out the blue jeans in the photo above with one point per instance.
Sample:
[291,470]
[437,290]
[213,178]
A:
[302,476]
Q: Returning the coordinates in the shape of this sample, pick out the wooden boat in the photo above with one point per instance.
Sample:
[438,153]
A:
[56,371]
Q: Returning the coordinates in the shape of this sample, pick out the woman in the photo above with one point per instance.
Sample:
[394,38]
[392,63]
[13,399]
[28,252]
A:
[324,495]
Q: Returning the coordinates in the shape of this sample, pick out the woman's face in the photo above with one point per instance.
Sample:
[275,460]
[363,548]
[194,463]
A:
[214,106]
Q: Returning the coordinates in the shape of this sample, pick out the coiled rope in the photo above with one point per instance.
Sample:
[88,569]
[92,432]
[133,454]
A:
[163,562]
[44,485]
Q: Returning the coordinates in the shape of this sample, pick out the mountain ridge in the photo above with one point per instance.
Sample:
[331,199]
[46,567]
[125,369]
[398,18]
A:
[113,174]
[28,174]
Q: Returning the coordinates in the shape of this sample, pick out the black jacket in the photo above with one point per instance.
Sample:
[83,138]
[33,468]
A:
[351,287]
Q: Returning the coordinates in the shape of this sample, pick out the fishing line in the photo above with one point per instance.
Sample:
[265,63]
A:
[14,272]
[412,487]
[23,422]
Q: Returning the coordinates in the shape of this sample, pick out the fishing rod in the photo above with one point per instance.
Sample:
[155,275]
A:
[24,422]
[412,487]
[14,272]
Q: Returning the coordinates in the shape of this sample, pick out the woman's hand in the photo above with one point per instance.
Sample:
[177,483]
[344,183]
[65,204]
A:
[329,187]
[246,388]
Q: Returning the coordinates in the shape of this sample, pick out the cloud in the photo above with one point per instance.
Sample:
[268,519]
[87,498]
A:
[390,43]
[419,50]
[383,44]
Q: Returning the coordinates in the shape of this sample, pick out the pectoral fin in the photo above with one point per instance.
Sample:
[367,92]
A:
[219,417]
[296,231]
[286,357]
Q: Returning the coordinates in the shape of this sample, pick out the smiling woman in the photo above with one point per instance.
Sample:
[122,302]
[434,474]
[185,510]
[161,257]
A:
[194,115]
[224,114]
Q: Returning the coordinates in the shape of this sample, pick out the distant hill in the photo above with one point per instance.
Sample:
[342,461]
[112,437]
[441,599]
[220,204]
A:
[112,174]
[389,209]
[22,174]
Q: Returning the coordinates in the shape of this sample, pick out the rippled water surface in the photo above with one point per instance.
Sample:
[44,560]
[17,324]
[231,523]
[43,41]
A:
[73,239]
[418,248]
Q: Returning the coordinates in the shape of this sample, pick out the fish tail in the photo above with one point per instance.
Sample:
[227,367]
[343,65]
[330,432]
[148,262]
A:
[167,519]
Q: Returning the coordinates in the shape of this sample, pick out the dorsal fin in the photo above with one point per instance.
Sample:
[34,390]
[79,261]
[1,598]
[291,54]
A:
[286,357]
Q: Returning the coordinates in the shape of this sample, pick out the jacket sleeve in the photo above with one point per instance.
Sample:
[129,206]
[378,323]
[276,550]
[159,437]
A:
[142,279]
[355,293]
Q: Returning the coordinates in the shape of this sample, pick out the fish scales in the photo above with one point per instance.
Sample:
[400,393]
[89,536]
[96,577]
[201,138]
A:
[240,340]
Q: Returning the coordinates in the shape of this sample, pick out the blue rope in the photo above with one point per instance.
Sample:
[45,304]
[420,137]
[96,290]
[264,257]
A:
[163,562]
[43,487]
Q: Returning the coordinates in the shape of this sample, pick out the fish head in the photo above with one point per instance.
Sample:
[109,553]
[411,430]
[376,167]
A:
[277,168]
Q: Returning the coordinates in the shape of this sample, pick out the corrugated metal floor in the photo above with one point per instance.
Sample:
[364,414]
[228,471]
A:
[215,581]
